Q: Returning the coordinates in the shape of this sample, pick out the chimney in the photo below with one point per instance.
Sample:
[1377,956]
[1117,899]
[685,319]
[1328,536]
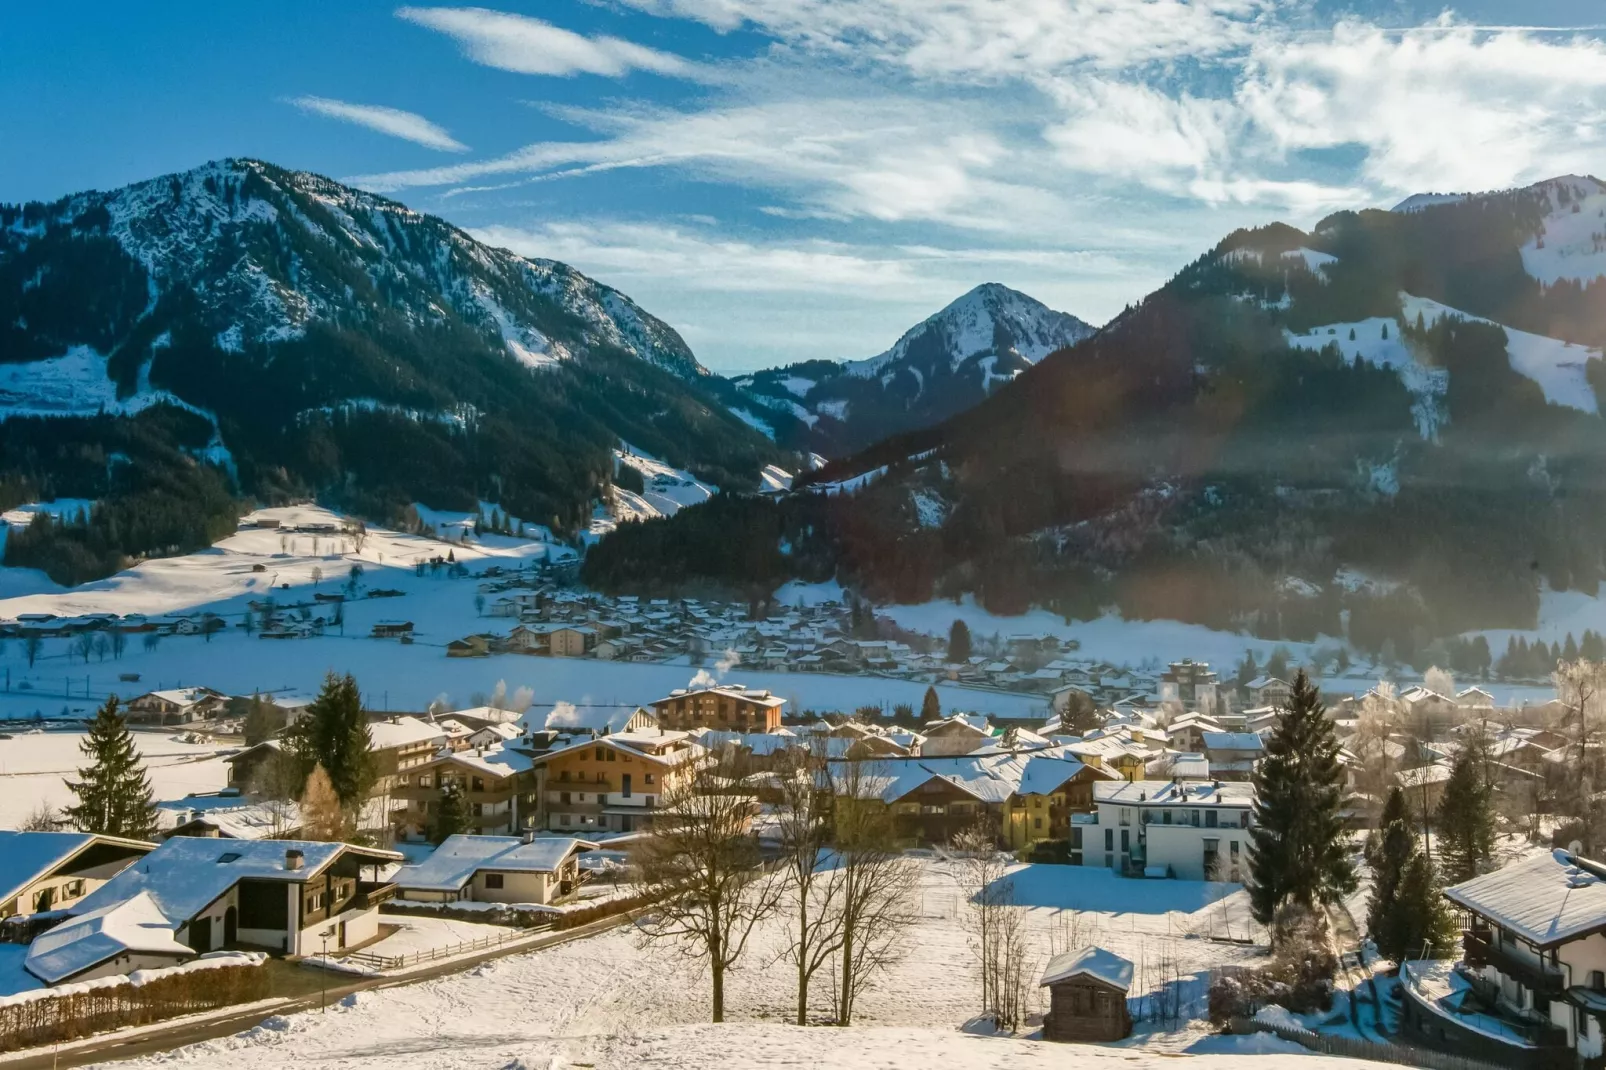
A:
[529,836]
[293,859]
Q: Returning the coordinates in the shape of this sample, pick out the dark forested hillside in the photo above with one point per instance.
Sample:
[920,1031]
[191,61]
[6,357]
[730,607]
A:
[1386,428]
[266,333]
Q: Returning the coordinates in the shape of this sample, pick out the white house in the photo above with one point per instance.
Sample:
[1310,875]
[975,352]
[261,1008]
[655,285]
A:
[1188,829]
[495,869]
[1533,959]
[292,897]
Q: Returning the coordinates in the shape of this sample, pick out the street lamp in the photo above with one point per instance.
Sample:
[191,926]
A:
[323,989]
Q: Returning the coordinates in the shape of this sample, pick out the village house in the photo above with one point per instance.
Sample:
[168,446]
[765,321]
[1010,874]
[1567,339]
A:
[1187,732]
[959,733]
[1027,797]
[567,642]
[1268,691]
[194,895]
[1087,996]
[728,707]
[177,706]
[1190,684]
[498,788]
[1190,830]
[1530,989]
[614,782]
[1233,755]
[42,871]
[495,869]
[470,646]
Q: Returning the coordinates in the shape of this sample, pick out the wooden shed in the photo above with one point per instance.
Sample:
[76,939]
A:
[1087,996]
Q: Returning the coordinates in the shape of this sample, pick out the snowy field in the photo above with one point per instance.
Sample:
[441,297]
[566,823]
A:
[34,767]
[614,1001]
[222,580]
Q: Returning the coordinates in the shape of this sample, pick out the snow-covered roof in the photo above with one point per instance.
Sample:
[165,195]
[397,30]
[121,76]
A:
[1427,774]
[250,821]
[992,777]
[1547,900]
[1094,962]
[497,761]
[185,696]
[754,695]
[186,873]
[27,856]
[1173,793]
[1232,741]
[1264,681]
[598,720]
[403,732]
[454,863]
[134,924]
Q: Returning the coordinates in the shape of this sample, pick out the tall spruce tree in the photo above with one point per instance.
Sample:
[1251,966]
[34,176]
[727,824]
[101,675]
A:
[958,642]
[931,706]
[1466,814]
[1418,924]
[1297,848]
[114,794]
[1395,808]
[333,733]
[1395,851]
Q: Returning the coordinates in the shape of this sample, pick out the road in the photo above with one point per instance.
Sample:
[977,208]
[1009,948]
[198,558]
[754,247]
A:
[150,1039]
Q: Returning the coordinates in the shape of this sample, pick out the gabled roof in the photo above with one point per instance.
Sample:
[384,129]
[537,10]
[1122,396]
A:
[646,744]
[1094,962]
[403,732]
[28,856]
[87,940]
[1547,900]
[753,695]
[454,863]
[1232,741]
[186,873]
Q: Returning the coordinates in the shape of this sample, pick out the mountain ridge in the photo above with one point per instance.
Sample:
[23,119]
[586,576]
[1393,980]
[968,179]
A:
[949,361]
[299,338]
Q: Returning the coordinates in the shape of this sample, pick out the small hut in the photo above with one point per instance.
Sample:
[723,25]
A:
[1087,996]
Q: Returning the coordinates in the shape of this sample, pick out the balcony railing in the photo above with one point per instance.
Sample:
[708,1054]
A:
[372,894]
[1481,950]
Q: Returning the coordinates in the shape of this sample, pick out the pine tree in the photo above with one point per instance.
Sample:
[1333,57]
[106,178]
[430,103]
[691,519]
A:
[1297,852]
[114,794]
[1395,808]
[1419,924]
[1395,850]
[451,815]
[1277,664]
[1465,818]
[930,706]
[1247,669]
[1569,652]
[334,734]
[958,643]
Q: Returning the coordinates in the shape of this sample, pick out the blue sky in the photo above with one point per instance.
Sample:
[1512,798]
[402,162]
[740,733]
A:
[784,179]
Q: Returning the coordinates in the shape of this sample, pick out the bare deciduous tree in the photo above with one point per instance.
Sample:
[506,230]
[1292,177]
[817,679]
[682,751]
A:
[995,923]
[1581,688]
[321,815]
[877,885]
[42,818]
[803,817]
[702,868]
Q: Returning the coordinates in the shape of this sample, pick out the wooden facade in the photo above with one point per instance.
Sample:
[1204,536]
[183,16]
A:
[723,708]
[1088,1010]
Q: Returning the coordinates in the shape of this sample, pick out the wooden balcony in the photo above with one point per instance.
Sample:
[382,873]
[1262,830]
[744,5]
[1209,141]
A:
[1479,950]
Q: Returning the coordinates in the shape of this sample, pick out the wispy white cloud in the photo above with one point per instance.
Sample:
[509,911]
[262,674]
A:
[393,121]
[1458,108]
[527,45]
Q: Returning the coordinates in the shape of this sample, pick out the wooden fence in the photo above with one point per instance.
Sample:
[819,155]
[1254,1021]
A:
[1356,1048]
[78,1010]
[435,954]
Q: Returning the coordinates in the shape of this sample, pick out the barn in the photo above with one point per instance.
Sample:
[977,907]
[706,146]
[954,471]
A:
[1087,996]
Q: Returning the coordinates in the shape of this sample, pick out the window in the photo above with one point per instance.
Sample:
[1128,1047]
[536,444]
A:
[600,751]
[563,774]
[1210,819]
[478,784]
[315,901]
[563,797]
[646,778]
[493,881]
[1037,822]
[1109,839]
[425,780]
[73,889]
[229,856]
[1168,817]
[611,756]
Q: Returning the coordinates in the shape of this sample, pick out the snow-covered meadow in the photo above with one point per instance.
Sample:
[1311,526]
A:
[614,1000]
[35,765]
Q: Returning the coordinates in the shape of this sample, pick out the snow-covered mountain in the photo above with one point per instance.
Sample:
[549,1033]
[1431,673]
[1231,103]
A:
[1412,397]
[943,365]
[311,339]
